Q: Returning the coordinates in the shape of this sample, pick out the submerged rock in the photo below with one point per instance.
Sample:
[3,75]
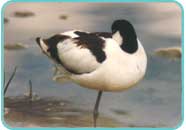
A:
[23,14]
[63,17]
[170,52]
[17,46]
[6,20]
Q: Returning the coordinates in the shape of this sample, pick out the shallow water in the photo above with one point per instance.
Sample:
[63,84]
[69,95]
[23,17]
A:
[156,101]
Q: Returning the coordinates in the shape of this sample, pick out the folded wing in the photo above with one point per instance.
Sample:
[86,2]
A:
[81,54]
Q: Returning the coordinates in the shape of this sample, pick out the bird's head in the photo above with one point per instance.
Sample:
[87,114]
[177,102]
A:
[124,34]
[123,30]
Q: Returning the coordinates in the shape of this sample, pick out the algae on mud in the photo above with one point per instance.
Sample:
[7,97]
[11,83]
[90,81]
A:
[50,112]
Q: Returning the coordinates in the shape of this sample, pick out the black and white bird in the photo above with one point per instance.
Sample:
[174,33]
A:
[102,61]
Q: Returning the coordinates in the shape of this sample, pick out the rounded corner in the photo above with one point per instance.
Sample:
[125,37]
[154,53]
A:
[3,122]
[5,5]
[180,123]
[179,5]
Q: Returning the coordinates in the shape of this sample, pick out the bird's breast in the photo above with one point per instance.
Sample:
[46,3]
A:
[118,72]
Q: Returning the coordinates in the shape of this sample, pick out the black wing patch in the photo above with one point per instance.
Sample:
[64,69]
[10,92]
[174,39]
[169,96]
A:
[52,49]
[103,34]
[52,45]
[93,42]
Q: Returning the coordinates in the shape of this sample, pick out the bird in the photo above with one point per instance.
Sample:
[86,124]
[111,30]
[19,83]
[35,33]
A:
[104,61]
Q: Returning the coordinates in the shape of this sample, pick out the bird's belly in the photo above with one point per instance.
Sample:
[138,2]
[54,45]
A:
[115,79]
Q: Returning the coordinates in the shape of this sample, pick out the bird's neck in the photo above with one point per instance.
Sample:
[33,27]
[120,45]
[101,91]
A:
[128,44]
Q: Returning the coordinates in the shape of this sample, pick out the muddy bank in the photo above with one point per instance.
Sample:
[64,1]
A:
[51,112]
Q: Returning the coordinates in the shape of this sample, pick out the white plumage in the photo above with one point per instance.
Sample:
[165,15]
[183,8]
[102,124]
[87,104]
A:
[73,56]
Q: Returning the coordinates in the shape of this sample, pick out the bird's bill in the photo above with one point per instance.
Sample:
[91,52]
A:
[42,45]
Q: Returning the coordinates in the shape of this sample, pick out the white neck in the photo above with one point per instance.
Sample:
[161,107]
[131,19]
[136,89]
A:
[117,37]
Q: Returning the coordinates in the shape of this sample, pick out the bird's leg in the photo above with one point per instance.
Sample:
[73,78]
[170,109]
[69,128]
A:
[96,113]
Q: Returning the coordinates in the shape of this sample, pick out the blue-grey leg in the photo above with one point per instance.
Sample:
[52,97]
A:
[96,107]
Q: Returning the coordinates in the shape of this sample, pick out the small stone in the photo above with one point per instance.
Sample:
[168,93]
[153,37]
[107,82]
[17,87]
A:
[64,17]
[6,110]
[61,103]
[48,109]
